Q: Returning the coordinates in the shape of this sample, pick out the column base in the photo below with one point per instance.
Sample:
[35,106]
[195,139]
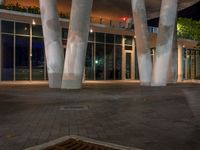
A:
[157,84]
[145,83]
[71,84]
[55,80]
[71,81]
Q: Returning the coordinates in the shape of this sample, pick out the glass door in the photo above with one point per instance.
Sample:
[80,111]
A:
[22,50]
[128,65]
[37,59]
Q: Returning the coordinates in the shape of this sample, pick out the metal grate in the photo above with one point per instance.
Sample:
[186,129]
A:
[75,144]
[74,107]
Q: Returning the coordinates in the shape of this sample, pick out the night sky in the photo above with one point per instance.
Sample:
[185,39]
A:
[191,12]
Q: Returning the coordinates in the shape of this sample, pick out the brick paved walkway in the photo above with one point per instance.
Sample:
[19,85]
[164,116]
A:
[152,118]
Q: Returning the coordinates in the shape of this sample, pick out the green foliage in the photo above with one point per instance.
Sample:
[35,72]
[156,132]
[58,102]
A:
[188,29]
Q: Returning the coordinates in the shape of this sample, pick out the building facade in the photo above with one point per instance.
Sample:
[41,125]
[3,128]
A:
[111,52]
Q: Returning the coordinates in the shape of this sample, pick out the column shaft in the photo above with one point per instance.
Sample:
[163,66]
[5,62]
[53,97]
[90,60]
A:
[2,2]
[142,41]
[164,42]
[53,44]
[173,62]
[180,62]
[77,44]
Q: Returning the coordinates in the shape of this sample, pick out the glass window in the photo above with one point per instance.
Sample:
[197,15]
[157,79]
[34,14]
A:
[100,37]
[89,63]
[193,64]
[7,27]
[37,59]
[118,64]
[109,38]
[64,33]
[109,62]
[37,30]
[137,77]
[99,61]
[128,65]
[118,39]
[7,45]
[188,64]
[22,58]
[22,28]
[91,36]
[198,64]
[128,40]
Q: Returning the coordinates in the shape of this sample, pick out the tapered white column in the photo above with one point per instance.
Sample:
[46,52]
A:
[77,44]
[164,42]
[173,61]
[180,63]
[2,2]
[53,44]
[142,41]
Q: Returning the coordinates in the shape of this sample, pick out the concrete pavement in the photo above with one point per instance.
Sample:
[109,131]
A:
[150,118]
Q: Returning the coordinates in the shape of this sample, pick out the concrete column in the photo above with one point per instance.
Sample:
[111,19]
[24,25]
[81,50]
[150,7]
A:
[180,62]
[53,43]
[123,60]
[0,53]
[164,42]
[173,67]
[77,44]
[133,60]
[142,41]
[173,62]
[2,2]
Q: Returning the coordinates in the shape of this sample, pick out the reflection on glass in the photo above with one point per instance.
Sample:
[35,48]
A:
[118,39]
[109,62]
[7,45]
[37,59]
[100,37]
[22,58]
[128,65]
[193,64]
[22,28]
[89,63]
[37,30]
[187,64]
[109,38]
[91,36]
[137,76]
[118,64]
[99,62]
[7,27]
[198,64]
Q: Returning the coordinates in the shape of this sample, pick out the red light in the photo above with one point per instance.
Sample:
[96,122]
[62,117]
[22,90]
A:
[124,18]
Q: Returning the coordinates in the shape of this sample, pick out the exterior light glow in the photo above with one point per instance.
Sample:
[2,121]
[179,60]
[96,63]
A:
[91,30]
[33,22]
[96,61]
[124,18]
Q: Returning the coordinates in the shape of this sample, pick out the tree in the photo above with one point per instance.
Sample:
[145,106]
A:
[188,28]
